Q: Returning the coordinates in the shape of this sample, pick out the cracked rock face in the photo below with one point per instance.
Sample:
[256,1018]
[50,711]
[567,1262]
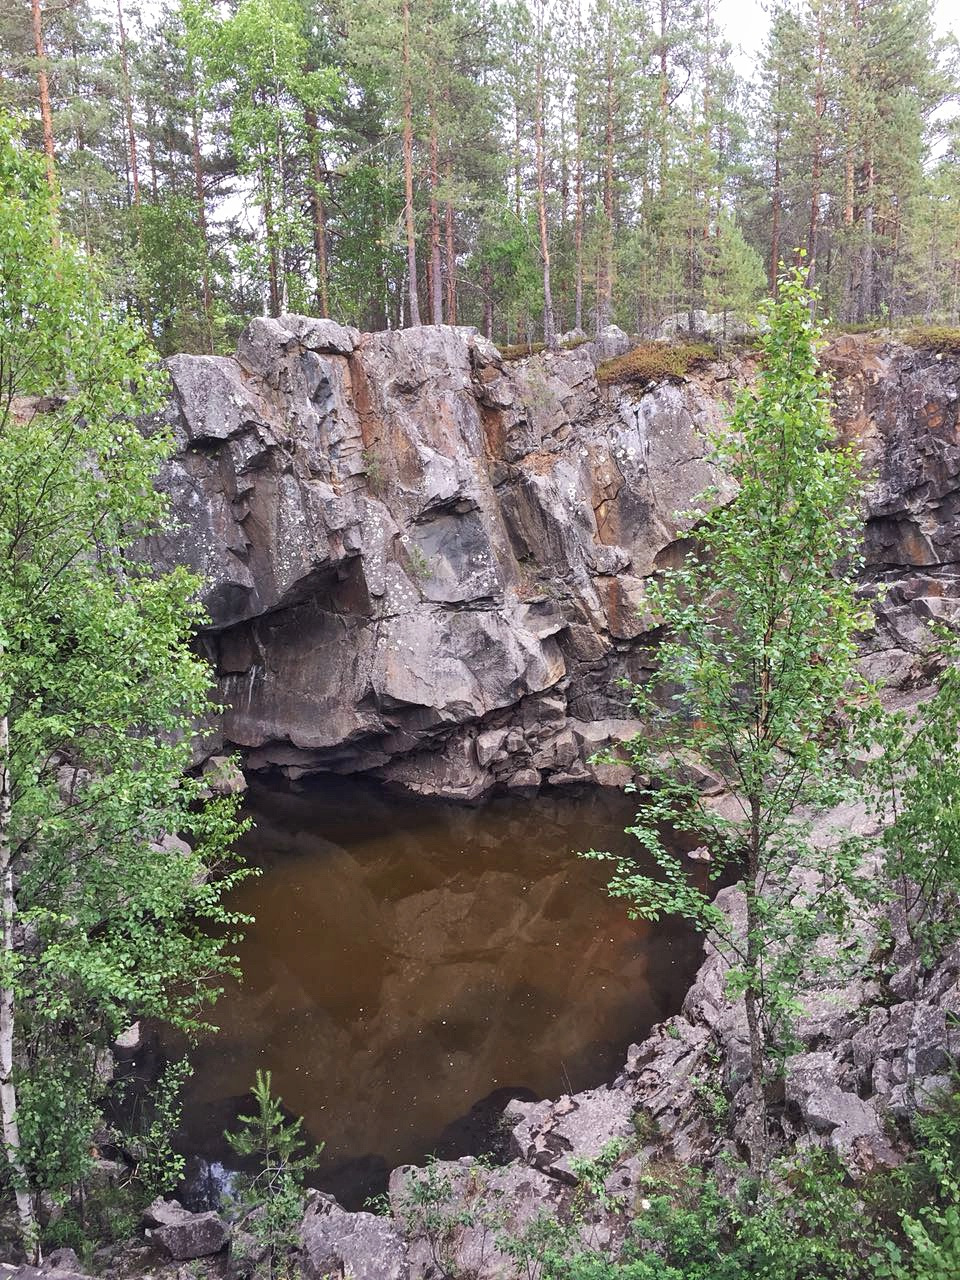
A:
[428,565]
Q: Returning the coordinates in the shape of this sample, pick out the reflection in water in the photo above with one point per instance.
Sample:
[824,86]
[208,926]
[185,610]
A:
[412,957]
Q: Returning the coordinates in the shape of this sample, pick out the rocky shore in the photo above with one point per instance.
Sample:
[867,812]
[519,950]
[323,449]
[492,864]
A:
[872,1047]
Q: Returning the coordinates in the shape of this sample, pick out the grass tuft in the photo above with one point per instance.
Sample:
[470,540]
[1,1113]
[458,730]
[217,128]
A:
[520,350]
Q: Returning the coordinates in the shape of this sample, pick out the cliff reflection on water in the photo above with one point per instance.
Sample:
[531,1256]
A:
[412,957]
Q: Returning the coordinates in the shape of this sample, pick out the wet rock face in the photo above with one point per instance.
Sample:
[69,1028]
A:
[427,565]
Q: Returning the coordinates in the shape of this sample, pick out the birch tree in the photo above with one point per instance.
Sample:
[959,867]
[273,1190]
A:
[757,667]
[102,905]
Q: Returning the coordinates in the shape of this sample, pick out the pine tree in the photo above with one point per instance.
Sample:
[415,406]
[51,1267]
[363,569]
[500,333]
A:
[734,277]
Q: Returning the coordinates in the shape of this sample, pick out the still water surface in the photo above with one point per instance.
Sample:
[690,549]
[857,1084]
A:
[411,958]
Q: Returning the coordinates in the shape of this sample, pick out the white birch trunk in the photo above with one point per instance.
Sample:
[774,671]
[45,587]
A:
[8,1090]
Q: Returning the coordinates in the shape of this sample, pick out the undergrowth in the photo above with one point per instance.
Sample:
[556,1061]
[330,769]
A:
[808,1222]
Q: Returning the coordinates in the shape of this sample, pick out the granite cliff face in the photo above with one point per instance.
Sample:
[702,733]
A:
[425,564]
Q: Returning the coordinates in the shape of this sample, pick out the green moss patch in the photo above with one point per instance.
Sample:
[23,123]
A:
[654,362]
[520,350]
[934,337]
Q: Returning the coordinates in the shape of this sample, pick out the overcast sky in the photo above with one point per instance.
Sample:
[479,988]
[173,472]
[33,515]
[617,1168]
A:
[746,23]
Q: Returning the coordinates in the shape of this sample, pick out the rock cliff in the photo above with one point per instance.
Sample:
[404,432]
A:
[425,564]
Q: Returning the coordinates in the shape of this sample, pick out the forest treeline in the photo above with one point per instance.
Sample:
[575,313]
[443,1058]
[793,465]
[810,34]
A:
[526,167]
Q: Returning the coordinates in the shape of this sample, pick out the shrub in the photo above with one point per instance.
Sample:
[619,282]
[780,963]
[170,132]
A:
[272,1199]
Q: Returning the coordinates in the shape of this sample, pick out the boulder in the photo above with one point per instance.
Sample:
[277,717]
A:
[223,776]
[553,1135]
[182,1234]
[360,1245]
[59,1264]
[130,1042]
[321,335]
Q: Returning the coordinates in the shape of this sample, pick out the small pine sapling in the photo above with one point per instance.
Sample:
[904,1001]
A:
[272,1199]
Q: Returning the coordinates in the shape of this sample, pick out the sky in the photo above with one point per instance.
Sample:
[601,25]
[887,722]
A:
[745,23]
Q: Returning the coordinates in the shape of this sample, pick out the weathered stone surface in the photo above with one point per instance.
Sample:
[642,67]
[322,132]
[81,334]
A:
[66,1272]
[223,776]
[129,1042]
[404,540]
[360,1245]
[479,1205]
[403,543]
[59,1264]
[182,1234]
[549,1135]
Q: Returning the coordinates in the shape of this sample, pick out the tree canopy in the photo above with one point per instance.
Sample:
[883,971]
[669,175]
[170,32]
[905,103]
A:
[494,162]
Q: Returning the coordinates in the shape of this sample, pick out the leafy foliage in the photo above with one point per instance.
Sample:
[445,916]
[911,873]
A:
[912,782]
[159,1167]
[757,679]
[106,914]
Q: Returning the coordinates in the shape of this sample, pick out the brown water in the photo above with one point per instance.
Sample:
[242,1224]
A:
[412,957]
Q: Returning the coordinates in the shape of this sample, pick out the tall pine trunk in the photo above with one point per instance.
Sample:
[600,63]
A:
[517,149]
[866,308]
[578,188]
[605,274]
[43,86]
[820,103]
[128,111]
[776,199]
[451,248]
[409,221]
[152,154]
[273,264]
[200,197]
[436,269]
[664,90]
[549,323]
